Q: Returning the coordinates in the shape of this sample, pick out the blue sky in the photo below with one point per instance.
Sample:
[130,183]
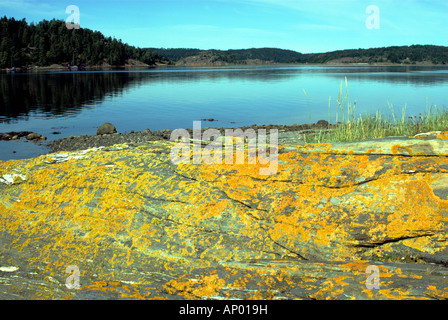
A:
[302,25]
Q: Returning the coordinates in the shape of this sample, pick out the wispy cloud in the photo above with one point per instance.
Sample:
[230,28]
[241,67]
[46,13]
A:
[317,27]
[35,8]
[255,32]
[194,27]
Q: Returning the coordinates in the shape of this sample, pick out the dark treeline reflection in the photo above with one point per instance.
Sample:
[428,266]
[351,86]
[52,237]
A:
[57,94]
[62,94]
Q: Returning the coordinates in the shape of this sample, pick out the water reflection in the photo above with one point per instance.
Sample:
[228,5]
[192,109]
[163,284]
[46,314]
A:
[67,94]
[57,94]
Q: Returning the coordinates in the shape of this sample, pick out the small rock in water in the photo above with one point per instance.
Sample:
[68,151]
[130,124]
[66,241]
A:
[33,136]
[5,137]
[106,128]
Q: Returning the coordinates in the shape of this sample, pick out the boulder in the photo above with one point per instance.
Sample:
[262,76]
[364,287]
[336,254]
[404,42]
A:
[334,222]
[106,128]
[33,136]
[322,123]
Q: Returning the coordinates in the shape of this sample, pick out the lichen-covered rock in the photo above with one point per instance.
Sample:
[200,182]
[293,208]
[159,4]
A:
[140,227]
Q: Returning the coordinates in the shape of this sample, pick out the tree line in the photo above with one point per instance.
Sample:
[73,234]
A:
[238,56]
[50,42]
[396,54]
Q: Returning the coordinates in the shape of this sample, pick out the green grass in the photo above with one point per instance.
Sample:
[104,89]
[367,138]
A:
[362,127]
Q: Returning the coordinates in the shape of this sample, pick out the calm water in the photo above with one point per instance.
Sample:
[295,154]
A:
[77,103]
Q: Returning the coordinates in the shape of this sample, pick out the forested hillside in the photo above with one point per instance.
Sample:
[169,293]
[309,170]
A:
[402,54]
[414,54]
[174,54]
[237,56]
[48,42]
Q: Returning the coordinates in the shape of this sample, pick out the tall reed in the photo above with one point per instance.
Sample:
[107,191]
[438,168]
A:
[349,127]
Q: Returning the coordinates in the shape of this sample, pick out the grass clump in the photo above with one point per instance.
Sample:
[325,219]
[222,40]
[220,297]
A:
[350,127]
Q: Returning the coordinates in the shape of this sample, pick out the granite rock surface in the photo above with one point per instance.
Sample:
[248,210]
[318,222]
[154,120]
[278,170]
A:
[330,223]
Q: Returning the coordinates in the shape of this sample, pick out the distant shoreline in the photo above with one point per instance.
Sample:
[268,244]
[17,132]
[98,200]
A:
[142,66]
[61,68]
[313,64]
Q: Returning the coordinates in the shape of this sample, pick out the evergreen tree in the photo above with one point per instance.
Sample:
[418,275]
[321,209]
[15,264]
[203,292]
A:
[51,42]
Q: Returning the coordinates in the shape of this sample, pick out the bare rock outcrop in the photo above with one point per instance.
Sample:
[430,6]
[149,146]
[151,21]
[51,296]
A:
[138,226]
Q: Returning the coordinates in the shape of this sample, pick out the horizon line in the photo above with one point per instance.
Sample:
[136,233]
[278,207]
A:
[211,49]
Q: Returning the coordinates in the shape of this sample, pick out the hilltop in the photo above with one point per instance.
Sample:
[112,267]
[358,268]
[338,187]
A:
[196,57]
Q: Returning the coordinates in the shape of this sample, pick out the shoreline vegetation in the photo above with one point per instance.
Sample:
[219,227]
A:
[352,126]
[50,46]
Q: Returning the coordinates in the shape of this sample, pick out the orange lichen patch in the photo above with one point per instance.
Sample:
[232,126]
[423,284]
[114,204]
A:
[392,294]
[51,211]
[418,213]
[410,276]
[311,147]
[204,287]
[340,280]
[399,149]
[436,293]
[239,283]
[290,207]
[329,290]
[103,285]
[442,135]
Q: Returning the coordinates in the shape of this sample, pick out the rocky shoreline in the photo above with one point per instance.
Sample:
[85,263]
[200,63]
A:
[286,132]
[337,221]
